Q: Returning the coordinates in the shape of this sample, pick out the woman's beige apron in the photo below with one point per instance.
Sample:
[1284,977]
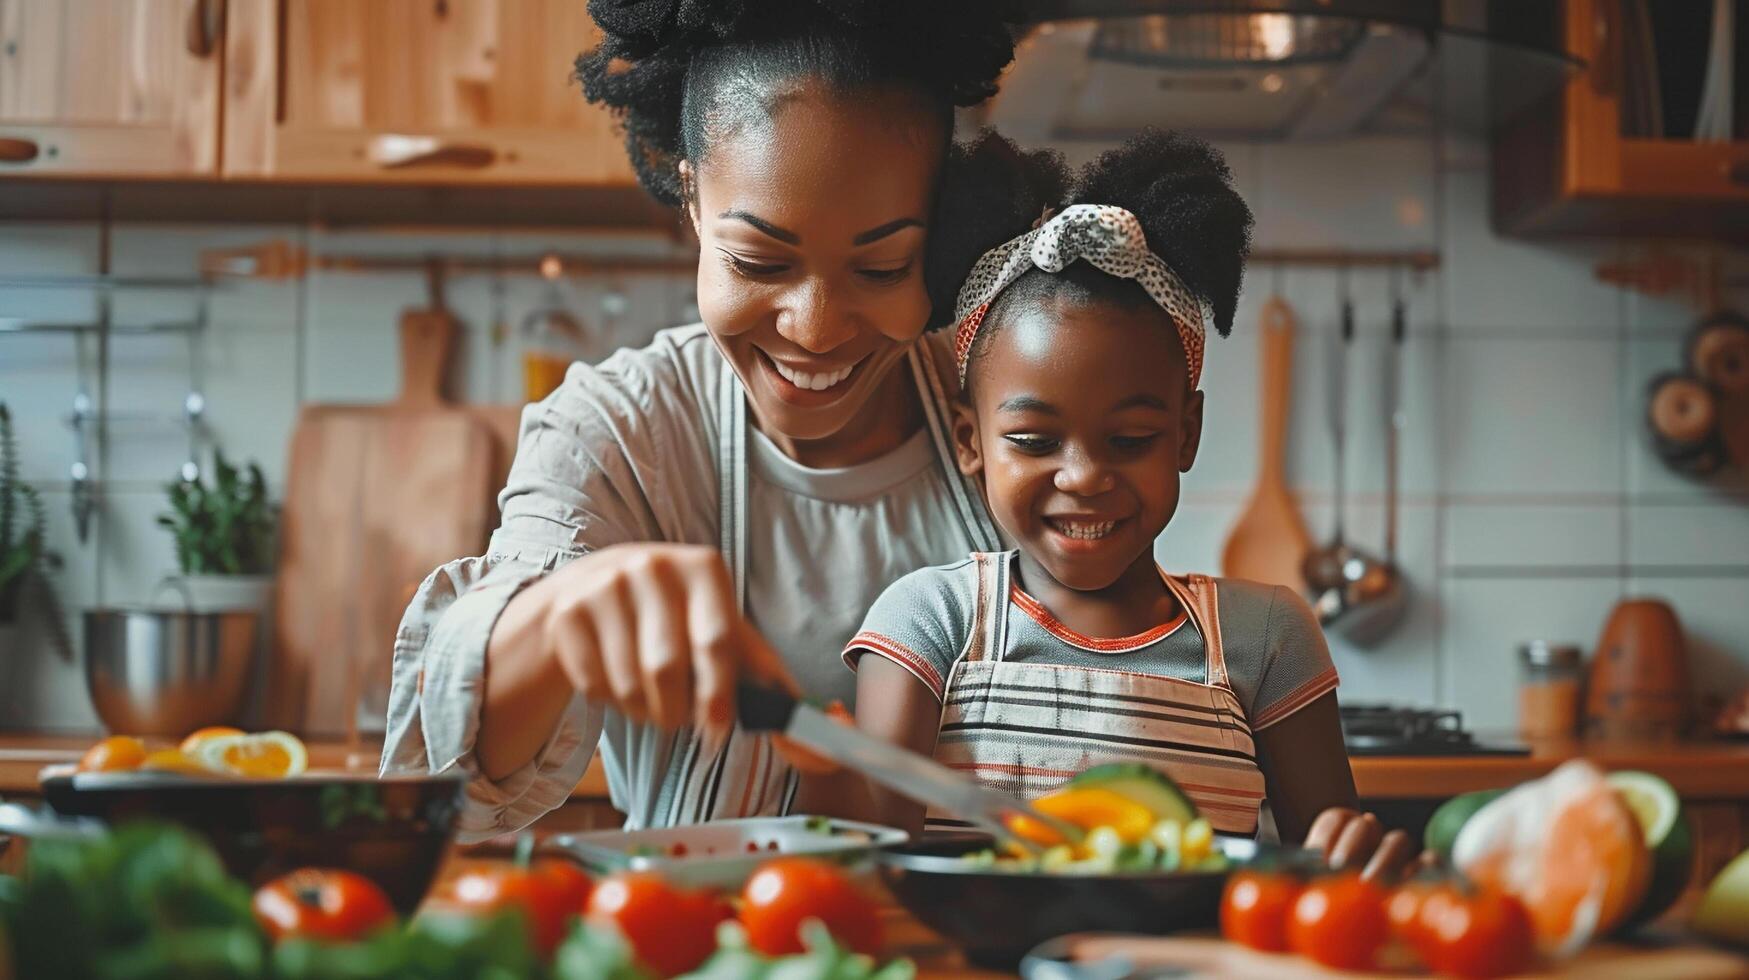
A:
[1024,728]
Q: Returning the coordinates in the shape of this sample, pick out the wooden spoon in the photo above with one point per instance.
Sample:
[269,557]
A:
[1269,541]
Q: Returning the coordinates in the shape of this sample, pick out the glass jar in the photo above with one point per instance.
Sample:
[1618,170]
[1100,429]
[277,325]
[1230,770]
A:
[1550,676]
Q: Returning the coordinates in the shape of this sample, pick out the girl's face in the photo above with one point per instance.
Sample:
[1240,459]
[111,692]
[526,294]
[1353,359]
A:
[811,230]
[1080,423]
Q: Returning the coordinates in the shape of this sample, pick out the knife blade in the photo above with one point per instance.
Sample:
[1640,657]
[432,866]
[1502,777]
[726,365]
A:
[915,776]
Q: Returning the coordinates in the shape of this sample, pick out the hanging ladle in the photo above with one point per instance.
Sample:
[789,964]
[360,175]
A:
[1374,596]
[1322,568]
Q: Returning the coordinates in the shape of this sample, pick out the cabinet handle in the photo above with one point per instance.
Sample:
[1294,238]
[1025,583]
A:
[205,23]
[1605,14]
[15,149]
[392,151]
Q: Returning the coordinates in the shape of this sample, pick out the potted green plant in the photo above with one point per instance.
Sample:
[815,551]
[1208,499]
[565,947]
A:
[25,561]
[224,538]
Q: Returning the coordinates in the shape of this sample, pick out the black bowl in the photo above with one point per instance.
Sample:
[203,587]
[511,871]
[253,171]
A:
[392,830]
[996,916]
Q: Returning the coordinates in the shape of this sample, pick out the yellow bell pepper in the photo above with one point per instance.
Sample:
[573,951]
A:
[1086,808]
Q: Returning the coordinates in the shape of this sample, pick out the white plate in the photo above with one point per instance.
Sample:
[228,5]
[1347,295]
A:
[724,853]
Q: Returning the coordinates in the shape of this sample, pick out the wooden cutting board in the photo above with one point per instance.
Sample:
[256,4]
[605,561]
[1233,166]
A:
[376,497]
[1199,958]
[1269,540]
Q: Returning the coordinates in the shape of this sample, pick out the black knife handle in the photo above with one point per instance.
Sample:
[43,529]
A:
[761,708]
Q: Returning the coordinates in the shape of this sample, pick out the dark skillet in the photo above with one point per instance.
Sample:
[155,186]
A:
[393,830]
[996,916]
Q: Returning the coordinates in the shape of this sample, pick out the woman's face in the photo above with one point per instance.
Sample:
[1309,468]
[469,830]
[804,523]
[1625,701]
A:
[811,229]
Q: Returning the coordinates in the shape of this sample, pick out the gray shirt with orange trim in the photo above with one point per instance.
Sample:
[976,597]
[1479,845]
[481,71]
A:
[1277,660]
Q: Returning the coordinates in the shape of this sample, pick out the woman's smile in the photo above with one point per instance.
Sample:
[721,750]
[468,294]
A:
[807,383]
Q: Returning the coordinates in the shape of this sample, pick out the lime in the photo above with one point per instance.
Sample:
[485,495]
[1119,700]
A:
[1443,826]
[1724,910]
[1659,810]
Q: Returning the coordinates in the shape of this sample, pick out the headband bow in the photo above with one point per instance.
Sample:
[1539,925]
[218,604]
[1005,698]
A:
[1108,237]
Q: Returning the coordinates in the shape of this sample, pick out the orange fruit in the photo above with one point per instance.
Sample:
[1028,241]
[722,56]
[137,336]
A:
[262,755]
[117,753]
[200,735]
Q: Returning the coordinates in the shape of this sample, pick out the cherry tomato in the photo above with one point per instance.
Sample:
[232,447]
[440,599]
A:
[549,892]
[671,930]
[1255,908]
[322,904]
[785,892]
[1478,934]
[1340,922]
[1404,907]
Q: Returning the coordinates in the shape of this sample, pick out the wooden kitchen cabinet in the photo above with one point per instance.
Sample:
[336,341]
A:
[414,91]
[1567,168]
[110,88]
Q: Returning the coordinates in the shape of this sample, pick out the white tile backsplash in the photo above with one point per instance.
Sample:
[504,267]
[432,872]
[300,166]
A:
[1531,502]
[1532,416]
[1486,620]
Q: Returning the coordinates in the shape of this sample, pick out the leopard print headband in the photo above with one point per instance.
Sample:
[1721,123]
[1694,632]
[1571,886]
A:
[1108,237]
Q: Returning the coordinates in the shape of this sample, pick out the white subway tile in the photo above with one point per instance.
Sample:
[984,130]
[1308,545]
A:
[1532,416]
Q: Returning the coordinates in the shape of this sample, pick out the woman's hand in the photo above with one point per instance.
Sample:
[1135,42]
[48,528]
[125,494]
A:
[654,630]
[650,629]
[1348,838]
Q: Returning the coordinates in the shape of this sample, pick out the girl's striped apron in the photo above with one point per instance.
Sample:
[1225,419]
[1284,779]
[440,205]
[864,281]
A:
[1024,728]
[745,777]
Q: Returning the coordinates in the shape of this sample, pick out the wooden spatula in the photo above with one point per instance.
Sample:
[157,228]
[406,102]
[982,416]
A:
[1269,540]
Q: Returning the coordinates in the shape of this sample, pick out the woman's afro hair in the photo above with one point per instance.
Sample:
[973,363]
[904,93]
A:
[1179,188]
[667,67]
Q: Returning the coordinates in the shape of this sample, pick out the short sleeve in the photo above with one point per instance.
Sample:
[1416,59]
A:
[576,486]
[1297,668]
[921,622]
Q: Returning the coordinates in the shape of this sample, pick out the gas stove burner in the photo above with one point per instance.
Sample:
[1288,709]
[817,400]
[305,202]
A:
[1385,729]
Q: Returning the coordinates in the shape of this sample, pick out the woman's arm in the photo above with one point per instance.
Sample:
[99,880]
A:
[649,629]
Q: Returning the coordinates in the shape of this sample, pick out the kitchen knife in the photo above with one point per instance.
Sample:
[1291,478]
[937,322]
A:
[766,709]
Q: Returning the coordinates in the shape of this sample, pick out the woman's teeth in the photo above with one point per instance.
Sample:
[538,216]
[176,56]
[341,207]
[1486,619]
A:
[1083,530]
[812,382]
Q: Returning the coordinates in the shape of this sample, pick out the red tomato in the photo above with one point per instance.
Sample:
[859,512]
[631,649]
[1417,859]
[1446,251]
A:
[549,892]
[1255,908]
[1404,907]
[785,892]
[1482,934]
[1340,922]
[671,930]
[320,904]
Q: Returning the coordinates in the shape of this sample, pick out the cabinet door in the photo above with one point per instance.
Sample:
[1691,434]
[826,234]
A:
[109,87]
[424,91]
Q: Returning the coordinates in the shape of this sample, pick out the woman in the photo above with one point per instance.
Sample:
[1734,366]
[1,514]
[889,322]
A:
[734,496]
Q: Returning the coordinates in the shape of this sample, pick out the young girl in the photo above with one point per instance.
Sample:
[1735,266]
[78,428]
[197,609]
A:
[1080,348]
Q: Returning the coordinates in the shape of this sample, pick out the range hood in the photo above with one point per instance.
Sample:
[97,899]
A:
[1279,69]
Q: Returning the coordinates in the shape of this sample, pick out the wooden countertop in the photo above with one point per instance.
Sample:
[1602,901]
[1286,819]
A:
[1698,770]
[1716,770]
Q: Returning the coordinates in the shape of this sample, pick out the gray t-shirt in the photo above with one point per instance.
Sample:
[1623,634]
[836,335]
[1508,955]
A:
[1277,661]
[626,451]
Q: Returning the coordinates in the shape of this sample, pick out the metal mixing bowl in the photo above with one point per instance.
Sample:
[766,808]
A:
[167,673]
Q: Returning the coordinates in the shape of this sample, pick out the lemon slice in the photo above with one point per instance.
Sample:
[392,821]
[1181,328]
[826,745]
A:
[262,755]
[172,760]
[191,744]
